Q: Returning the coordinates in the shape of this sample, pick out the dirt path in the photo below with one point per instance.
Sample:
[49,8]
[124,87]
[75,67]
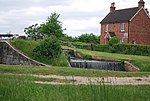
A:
[98,80]
[145,80]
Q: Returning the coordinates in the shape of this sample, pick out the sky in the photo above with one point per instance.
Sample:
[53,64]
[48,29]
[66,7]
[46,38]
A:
[78,16]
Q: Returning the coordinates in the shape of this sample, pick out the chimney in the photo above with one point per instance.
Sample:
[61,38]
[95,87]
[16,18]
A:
[141,3]
[112,8]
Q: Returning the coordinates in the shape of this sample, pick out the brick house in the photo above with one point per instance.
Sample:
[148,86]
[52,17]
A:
[131,25]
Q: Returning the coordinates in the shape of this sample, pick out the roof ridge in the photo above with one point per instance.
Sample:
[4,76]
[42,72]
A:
[126,8]
[121,15]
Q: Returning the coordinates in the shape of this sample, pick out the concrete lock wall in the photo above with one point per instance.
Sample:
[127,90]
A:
[10,55]
[101,65]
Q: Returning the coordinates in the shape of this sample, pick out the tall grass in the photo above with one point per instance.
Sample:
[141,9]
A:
[14,89]
[26,46]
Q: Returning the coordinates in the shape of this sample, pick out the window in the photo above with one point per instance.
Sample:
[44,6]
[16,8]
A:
[122,27]
[107,28]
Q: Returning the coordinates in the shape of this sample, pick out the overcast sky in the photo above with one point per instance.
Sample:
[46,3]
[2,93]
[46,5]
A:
[77,16]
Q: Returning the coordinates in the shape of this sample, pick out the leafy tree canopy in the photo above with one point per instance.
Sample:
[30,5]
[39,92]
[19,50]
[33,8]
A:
[89,38]
[52,27]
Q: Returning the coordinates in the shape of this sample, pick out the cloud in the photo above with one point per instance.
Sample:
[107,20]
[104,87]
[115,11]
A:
[19,4]
[78,16]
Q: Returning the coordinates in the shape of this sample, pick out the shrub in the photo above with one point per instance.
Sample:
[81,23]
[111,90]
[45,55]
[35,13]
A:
[102,48]
[113,40]
[132,49]
[83,45]
[48,48]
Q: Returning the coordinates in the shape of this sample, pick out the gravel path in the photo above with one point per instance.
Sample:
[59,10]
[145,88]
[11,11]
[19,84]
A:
[145,80]
[98,80]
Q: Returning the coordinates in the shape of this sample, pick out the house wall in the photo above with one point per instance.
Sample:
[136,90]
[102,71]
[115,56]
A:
[140,28]
[114,27]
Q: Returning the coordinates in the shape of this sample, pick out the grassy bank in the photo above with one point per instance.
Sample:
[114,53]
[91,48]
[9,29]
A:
[143,62]
[14,88]
[27,46]
[67,71]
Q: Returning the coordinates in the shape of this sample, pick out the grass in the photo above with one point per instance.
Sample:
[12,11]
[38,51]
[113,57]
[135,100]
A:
[27,46]
[14,88]
[67,71]
[143,62]
[34,78]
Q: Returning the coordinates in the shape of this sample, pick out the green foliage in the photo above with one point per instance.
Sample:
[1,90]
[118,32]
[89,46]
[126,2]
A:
[113,40]
[89,38]
[82,45]
[140,61]
[52,27]
[86,57]
[61,60]
[33,32]
[132,49]
[48,48]
[27,47]
[23,88]
[102,48]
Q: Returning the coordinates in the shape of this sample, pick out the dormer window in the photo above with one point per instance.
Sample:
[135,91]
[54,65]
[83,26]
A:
[107,28]
[122,27]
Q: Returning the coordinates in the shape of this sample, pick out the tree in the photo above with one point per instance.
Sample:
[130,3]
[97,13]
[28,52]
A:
[52,27]
[33,32]
[89,38]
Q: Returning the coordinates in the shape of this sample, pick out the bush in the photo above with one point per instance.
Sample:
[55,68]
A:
[48,48]
[113,40]
[132,49]
[83,45]
[102,48]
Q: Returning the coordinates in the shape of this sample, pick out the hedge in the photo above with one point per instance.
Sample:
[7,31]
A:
[132,49]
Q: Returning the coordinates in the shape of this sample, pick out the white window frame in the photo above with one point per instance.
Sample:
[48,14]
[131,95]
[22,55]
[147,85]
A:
[106,27]
[122,27]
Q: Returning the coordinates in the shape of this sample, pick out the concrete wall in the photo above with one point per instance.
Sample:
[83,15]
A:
[10,55]
[101,65]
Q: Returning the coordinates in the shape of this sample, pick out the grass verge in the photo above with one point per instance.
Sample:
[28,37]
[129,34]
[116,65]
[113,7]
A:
[68,71]
[14,88]
[27,46]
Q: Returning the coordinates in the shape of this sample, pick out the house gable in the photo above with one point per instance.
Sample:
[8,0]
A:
[140,28]
[138,12]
